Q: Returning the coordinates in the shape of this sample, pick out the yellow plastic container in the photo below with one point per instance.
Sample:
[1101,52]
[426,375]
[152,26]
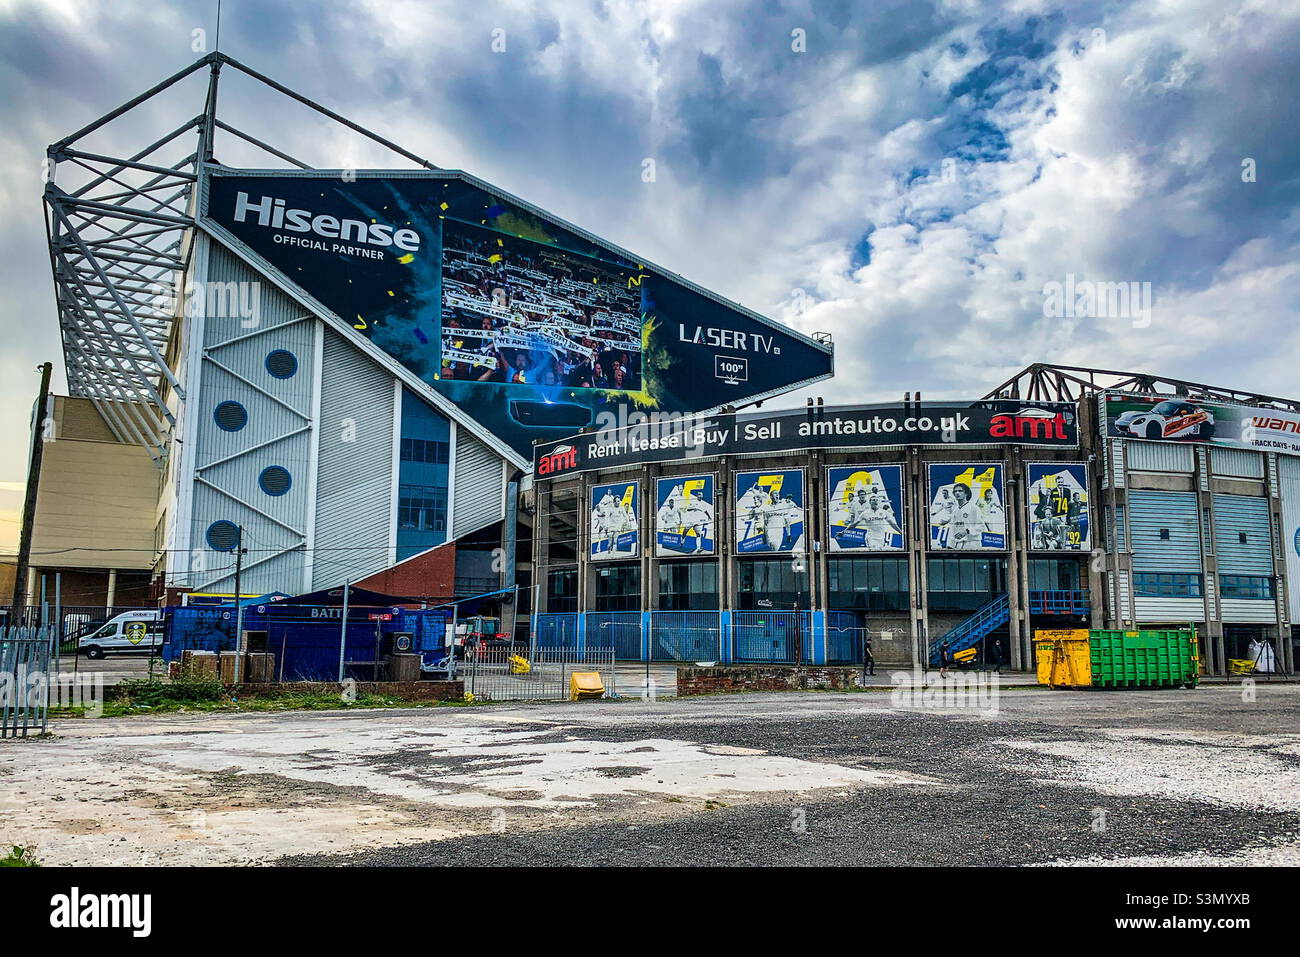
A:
[519,665]
[1064,658]
[585,684]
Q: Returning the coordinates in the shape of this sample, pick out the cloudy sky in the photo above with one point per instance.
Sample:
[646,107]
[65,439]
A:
[909,176]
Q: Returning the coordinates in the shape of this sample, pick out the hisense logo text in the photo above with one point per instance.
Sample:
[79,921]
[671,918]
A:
[274,213]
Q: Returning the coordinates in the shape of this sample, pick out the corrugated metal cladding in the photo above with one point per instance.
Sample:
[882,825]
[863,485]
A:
[1288,482]
[477,488]
[1237,463]
[1117,462]
[247,318]
[1248,611]
[354,518]
[1168,610]
[1160,457]
[1165,531]
[1242,541]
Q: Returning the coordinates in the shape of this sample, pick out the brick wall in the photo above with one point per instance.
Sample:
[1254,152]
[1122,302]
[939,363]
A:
[430,574]
[727,678]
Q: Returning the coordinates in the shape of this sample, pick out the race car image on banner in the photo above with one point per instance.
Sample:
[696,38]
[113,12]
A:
[1169,419]
[1058,507]
[684,518]
[966,510]
[615,520]
[866,508]
[769,511]
[523,312]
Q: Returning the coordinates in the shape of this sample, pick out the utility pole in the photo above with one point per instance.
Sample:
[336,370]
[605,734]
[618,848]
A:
[29,500]
[239,601]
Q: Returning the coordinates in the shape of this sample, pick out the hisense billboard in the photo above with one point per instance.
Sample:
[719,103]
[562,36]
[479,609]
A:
[532,326]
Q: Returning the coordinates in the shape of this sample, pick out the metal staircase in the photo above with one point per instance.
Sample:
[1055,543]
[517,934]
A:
[973,630]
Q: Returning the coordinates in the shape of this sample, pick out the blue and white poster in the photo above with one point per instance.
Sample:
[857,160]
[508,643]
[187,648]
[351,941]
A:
[865,508]
[615,522]
[1059,513]
[684,516]
[967,511]
[769,511]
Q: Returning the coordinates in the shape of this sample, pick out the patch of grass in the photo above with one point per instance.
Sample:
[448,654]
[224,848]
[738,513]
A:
[152,696]
[18,857]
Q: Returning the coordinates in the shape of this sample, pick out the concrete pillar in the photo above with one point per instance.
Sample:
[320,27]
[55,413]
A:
[112,588]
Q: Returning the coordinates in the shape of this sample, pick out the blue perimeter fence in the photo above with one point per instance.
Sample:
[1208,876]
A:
[774,636]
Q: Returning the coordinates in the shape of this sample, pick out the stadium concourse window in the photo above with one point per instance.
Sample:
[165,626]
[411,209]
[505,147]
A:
[562,589]
[562,525]
[422,508]
[771,580]
[1246,586]
[868,584]
[688,586]
[1166,585]
[618,587]
[1054,574]
[964,584]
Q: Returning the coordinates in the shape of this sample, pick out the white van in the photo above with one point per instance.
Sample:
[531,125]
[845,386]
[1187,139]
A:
[130,633]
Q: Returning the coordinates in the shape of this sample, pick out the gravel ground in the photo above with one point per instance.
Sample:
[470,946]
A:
[1161,777]
[1194,777]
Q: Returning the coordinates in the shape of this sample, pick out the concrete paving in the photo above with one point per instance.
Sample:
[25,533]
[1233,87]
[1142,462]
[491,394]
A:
[1033,776]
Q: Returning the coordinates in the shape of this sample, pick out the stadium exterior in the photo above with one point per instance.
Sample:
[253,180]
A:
[412,381]
[1069,519]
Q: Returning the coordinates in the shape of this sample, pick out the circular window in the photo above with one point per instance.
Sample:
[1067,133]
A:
[281,363]
[275,480]
[223,536]
[230,416]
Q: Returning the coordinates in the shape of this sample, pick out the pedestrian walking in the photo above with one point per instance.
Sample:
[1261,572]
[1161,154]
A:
[868,659]
[995,656]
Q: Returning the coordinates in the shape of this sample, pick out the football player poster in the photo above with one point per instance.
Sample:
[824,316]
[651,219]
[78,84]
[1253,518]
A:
[615,511]
[865,507]
[966,507]
[684,516]
[769,511]
[1058,507]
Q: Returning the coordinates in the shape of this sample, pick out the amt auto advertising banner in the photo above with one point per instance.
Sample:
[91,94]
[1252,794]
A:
[1060,518]
[615,521]
[887,425]
[531,326]
[966,507]
[866,508]
[1191,420]
[770,511]
[684,516]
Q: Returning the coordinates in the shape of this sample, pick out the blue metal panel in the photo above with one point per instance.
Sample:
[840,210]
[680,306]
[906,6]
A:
[1165,531]
[1238,517]
[685,636]
[556,630]
[769,635]
[620,630]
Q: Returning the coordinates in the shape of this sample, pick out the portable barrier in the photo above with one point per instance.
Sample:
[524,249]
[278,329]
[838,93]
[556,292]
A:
[25,680]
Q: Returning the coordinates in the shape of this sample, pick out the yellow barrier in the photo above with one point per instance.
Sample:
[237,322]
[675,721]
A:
[519,665]
[585,684]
